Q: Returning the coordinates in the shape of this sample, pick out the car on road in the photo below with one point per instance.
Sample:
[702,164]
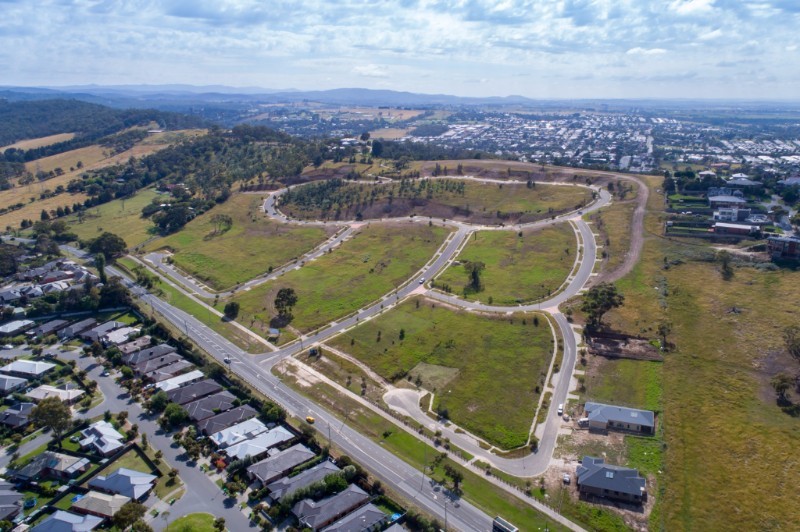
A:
[105,373]
[310,419]
[422,281]
[8,346]
[561,409]
[227,360]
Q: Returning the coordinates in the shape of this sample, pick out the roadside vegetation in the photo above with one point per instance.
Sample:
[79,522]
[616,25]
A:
[517,267]
[497,365]
[372,263]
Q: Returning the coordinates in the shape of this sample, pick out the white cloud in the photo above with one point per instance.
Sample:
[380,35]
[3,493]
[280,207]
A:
[646,51]
[371,71]
[692,7]
[711,35]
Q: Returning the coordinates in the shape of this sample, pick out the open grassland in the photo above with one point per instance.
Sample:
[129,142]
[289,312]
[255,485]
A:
[498,363]
[389,133]
[478,202]
[31,144]
[614,226]
[518,268]
[476,489]
[88,156]
[251,246]
[121,217]
[372,263]
[726,438]
[33,211]
[634,383]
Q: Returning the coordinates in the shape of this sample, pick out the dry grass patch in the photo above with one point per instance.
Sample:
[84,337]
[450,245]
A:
[31,144]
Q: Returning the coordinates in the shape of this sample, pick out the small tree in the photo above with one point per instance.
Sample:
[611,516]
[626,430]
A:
[781,383]
[129,514]
[599,300]
[53,414]
[159,401]
[285,300]
[232,310]
[791,338]
[219,524]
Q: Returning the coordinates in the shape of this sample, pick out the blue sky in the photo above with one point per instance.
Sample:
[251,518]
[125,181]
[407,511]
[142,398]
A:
[536,48]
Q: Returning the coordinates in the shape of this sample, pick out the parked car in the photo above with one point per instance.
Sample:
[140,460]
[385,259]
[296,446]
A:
[561,409]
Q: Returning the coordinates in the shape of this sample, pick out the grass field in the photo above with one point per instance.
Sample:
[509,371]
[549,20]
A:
[491,203]
[31,144]
[614,225]
[499,362]
[477,490]
[518,268]
[192,523]
[33,211]
[372,263]
[726,438]
[633,383]
[389,133]
[123,218]
[249,248]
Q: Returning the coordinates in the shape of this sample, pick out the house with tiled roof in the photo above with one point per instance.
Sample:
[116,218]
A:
[609,481]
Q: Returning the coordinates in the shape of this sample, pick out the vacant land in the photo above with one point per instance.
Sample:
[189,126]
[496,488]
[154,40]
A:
[477,202]
[251,246]
[33,211]
[31,144]
[614,225]
[726,437]
[121,217]
[517,268]
[389,133]
[498,363]
[372,263]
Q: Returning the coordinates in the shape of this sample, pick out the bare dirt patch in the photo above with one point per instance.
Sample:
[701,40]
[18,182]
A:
[615,345]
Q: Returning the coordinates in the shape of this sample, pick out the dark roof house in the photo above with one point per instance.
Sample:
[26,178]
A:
[193,392]
[148,354]
[368,517]
[210,405]
[48,328]
[76,328]
[610,481]
[222,421]
[10,501]
[318,514]
[279,464]
[603,417]
[96,333]
[288,485]
[17,415]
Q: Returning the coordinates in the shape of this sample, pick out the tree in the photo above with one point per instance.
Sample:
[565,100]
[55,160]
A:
[273,412]
[109,244]
[285,301]
[231,310]
[365,136]
[174,415]
[219,524]
[781,383]
[222,222]
[129,514]
[141,526]
[455,475]
[159,401]
[791,338]
[724,259]
[53,414]
[599,300]
[44,215]
[100,263]
[474,270]
[377,148]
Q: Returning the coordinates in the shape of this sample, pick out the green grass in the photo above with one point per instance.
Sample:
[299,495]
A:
[499,362]
[633,383]
[372,263]
[477,490]
[249,248]
[126,222]
[518,269]
[481,202]
[192,523]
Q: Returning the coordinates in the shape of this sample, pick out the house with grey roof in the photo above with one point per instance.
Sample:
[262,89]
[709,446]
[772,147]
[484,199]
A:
[146,366]
[168,372]
[195,391]
[227,419]
[67,393]
[15,327]
[613,482]
[180,381]
[10,501]
[9,384]
[285,486]
[318,514]
[53,465]
[63,521]
[146,354]
[48,328]
[368,517]
[134,345]
[75,329]
[31,369]
[124,481]
[210,405]
[279,464]
[102,505]
[102,438]
[255,447]
[17,415]
[608,417]
[96,333]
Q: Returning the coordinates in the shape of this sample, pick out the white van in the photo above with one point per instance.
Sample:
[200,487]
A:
[561,409]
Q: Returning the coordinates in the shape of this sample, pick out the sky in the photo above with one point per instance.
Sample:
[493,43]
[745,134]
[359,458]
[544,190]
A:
[536,48]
